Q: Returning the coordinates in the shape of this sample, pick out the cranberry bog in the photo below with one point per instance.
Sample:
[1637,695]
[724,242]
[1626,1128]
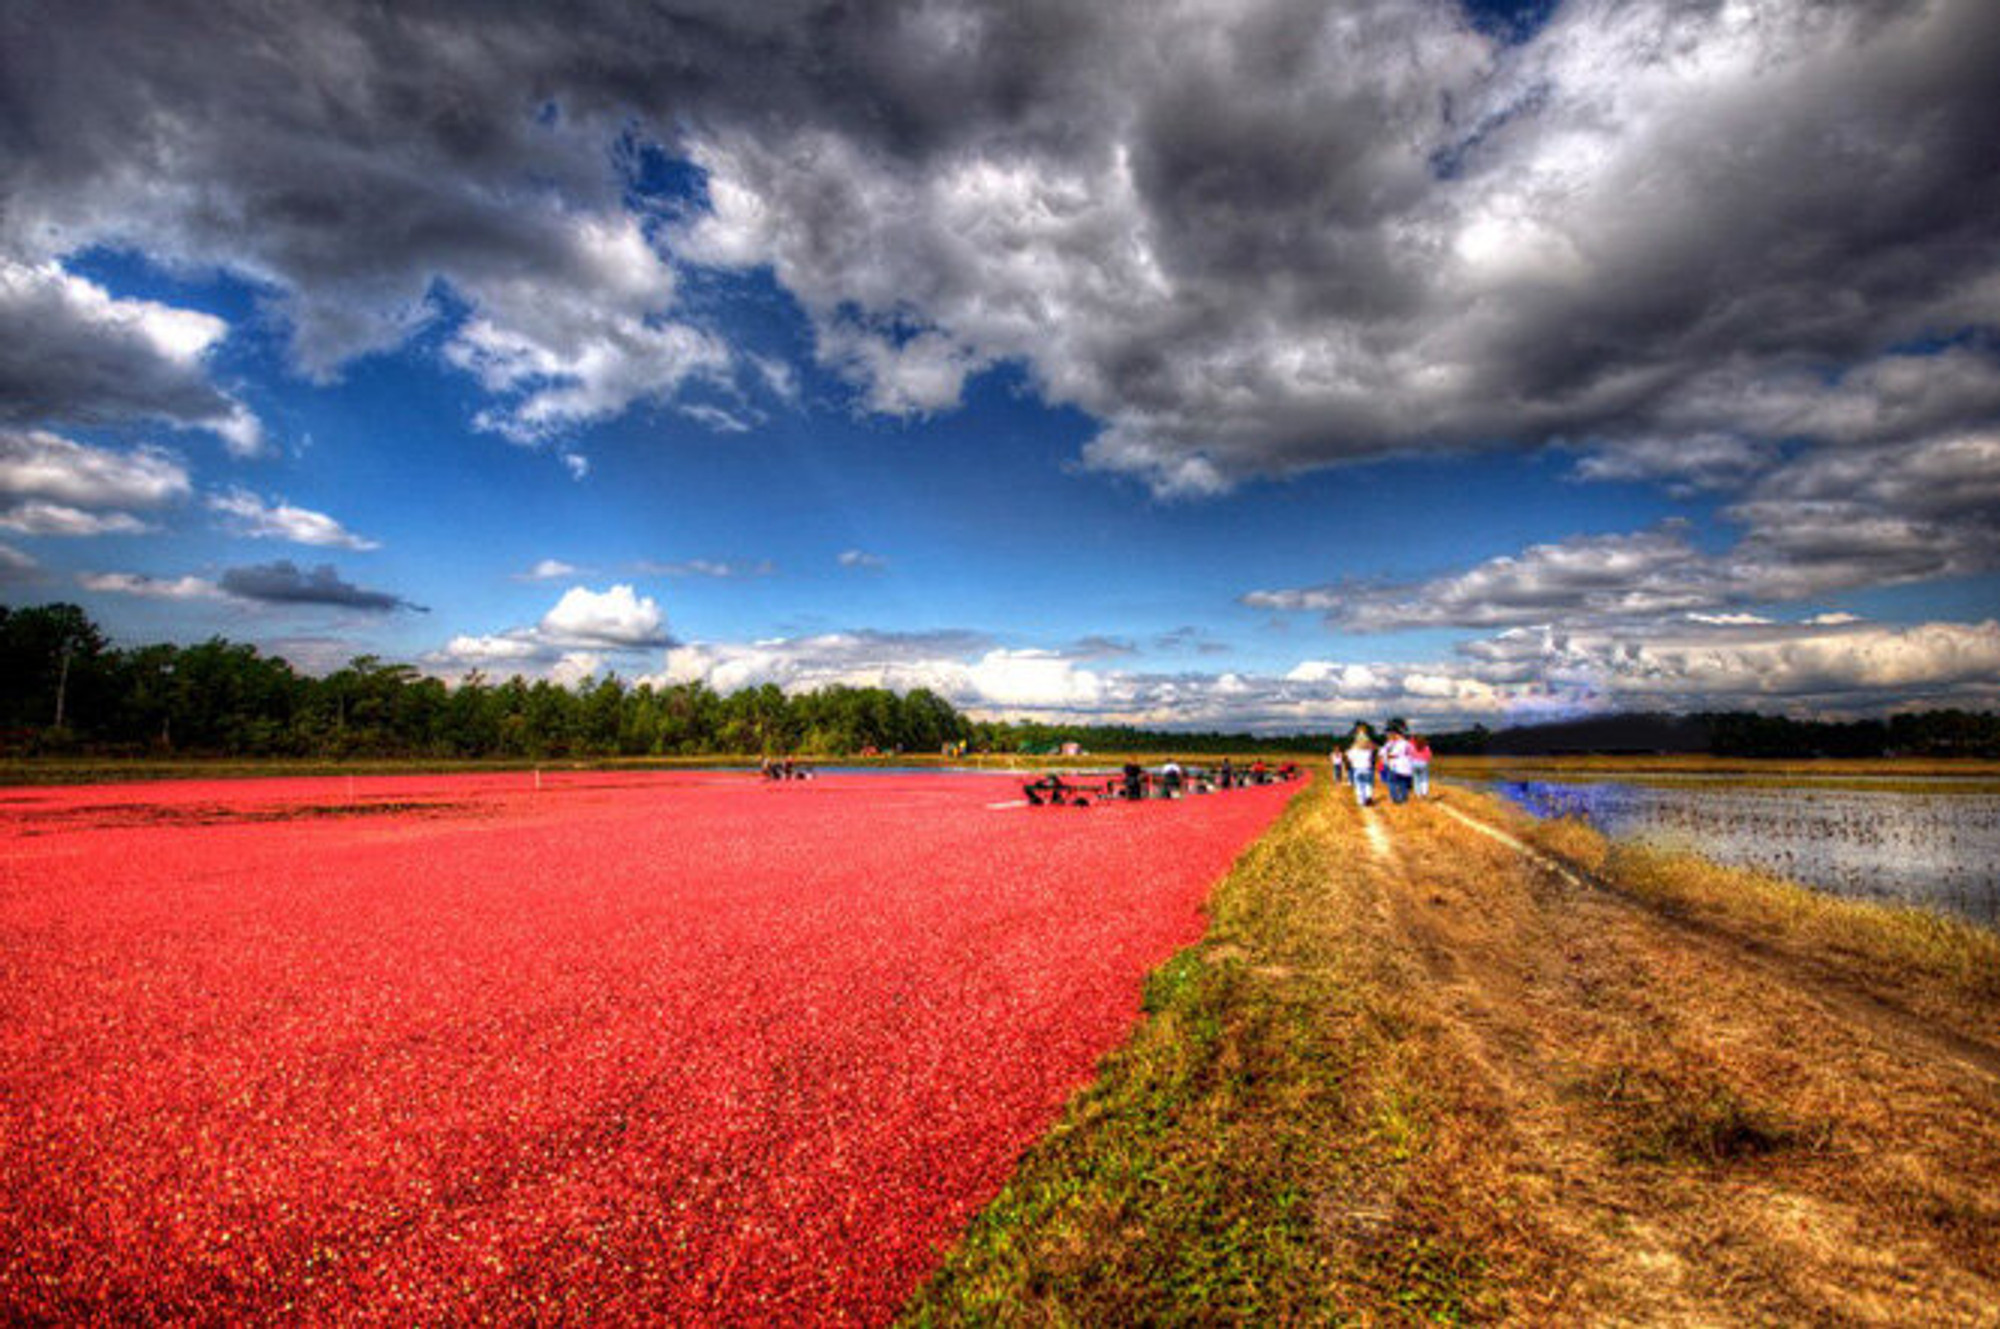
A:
[685,1047]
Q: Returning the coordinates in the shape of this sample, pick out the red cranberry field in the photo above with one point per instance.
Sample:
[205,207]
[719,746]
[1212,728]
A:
[684,1047]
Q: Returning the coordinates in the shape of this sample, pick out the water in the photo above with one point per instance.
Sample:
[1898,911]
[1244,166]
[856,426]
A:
[1941,851]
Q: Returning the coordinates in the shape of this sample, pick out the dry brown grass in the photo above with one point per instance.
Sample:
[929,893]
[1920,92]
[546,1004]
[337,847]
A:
[1737,1133]
[1948,966]
[1445,1082]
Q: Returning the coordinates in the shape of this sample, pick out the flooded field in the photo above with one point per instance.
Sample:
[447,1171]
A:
[1940,850]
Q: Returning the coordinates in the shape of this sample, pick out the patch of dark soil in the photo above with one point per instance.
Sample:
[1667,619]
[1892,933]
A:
[114,816]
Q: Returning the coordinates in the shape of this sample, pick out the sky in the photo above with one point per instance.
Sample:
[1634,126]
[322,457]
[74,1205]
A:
[1212,364]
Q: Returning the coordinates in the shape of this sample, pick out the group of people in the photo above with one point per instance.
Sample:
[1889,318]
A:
[1168,780]
[1402,763]
[783,768]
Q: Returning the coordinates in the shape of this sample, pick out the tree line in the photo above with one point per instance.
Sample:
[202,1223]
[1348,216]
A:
[65,688]
[1930,733]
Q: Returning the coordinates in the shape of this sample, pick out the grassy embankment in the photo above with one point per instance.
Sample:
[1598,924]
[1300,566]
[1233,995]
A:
[1268,1147]
[1411,1075]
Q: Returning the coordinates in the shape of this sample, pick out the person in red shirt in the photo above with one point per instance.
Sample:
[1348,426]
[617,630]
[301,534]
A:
[1420,765]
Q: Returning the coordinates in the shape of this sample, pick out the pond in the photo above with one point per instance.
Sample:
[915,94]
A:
[1940,850]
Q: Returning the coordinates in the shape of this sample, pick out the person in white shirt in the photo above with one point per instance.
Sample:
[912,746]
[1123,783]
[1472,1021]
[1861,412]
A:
[1399,760]
[1361,766]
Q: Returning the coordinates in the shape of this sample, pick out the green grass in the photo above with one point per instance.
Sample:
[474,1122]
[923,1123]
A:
[1255,1154]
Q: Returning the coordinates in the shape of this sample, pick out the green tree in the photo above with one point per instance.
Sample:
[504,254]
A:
[53,669]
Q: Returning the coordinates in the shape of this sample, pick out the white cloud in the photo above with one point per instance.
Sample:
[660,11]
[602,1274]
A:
[1823,521]
[1811,665]
[548,569]
[1523,674]
[478,652]
[586,346]
[573,667]
[718,569]
[1643,574]
[248,515]
[1686,464]
[916,376]
[1730,620]
[151,588]
[38,518]
[863,560]
[1516,676]
[957,666]
[616,617]
[716,418]
[35,464]
[1033,680]
[70,351]
[16,565]
[573,640]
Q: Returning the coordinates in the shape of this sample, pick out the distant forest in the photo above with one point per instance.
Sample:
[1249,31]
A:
[64,688]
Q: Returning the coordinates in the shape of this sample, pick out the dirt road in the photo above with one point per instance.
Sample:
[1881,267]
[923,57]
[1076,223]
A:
[1647,1118]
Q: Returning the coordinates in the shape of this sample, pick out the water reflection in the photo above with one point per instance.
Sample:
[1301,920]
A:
[1938,850]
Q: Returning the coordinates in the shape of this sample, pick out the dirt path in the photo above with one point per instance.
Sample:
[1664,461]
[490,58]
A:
[1857,1002]
[1646,1120]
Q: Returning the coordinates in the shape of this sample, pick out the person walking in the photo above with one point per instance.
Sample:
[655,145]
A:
[1420,764]
[1361,766]
[1399,767]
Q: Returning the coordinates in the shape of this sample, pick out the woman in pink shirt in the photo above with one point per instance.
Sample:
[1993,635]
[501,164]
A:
[1420,764]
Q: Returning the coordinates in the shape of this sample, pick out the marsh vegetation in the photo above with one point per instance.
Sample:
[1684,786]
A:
[1904,841]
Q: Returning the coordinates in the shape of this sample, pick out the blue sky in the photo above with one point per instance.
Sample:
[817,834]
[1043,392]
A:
[1474,364]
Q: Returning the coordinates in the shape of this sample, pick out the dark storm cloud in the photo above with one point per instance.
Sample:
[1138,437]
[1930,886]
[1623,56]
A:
[284,582]
[1248,239]
[71,354]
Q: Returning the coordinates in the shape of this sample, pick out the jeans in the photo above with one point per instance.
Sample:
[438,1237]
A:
[1364,787]
[1423,779]
[1399,786]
